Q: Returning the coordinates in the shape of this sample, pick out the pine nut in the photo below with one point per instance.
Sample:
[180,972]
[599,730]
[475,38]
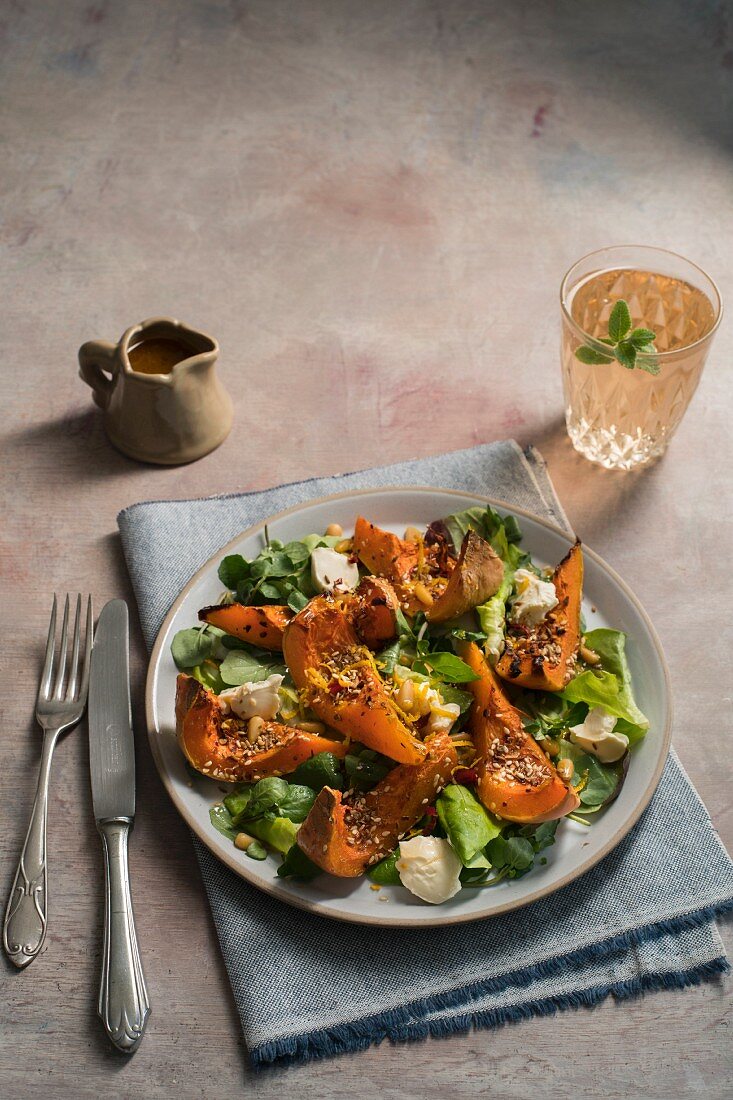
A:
[242,841]
[406,696]
[565,769]
[423,595]
[334,529]
[344,546]
[255,727]
[311,727]
[413,535]
[551,746]
[589,655]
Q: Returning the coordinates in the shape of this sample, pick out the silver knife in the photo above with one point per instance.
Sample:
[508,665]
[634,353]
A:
[123,999]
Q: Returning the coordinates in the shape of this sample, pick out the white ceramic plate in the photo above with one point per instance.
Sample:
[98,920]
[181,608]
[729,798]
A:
[607,602]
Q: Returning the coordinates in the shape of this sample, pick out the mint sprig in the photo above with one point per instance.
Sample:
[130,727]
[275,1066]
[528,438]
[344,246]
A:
[624,343]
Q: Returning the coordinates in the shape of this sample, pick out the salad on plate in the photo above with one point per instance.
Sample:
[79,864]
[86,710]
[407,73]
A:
[424,710]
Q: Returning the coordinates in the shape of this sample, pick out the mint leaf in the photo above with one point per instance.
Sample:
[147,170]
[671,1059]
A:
[641,337]
[626,354]
[590,356]
[619,322]
[646,359]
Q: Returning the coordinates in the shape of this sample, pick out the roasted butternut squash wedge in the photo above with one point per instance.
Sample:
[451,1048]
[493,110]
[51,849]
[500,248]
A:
[344,834]
[477,575]
[260,626]
[374,612]
[217,745]
[517,781]
[419,570]
[544,656]
[341,682]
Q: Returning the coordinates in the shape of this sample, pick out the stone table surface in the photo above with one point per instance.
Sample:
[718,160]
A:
[371,205]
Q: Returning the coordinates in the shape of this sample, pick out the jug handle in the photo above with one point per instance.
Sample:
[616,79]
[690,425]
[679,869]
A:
[96,357]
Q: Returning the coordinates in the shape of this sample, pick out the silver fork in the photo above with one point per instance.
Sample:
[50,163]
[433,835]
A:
[57,710]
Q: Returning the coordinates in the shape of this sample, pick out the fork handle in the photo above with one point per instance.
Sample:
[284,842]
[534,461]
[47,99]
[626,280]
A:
[123,999]
[26,917]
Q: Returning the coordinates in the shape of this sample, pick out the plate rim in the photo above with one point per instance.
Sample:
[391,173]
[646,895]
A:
[307,904]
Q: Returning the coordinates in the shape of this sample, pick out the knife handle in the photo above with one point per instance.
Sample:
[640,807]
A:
[123,999]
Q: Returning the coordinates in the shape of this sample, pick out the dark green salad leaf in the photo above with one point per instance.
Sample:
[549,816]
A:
[467,824]
[365,768]
[298,865]
[513,853]
[385,872]
[193,646]
[600,781]
[321,770]
[447,667]
[221,819]
[250,665]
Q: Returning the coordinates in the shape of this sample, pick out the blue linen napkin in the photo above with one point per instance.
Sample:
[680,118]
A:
[305,987]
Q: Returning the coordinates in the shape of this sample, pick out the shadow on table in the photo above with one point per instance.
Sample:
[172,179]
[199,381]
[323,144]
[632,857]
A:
[589,491]
[77,444]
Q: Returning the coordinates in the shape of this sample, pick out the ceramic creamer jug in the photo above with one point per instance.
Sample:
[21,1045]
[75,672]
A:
[159,391]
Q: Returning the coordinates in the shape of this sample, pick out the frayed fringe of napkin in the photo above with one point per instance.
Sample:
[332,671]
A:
[399,1025]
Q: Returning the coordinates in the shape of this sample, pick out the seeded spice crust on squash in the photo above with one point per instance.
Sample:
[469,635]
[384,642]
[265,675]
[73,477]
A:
[517,781]
[345,833]
[219,746]
[544,657]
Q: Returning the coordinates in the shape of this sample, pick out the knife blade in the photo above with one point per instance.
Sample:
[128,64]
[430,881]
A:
[123,1004]
[111,741]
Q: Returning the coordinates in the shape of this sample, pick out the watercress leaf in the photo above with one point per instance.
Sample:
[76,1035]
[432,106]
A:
[476,870]
[267,794]
[619,322]
[322,770]
[626,354]
[298,865]
[467,824]
[602,779]
[249,666]
[256,850]
[385,872]
[297,600]
[520,853]
[610,645]
[297,554]
[591,357]
[233,569]
[222,821]
[450,668]
[297,802]
[312,541]
[540,836]
[192,646]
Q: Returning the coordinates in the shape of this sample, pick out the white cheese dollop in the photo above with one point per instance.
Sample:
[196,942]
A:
[596,736]
[429,868]
[331,570]
[259,700]
[535,598]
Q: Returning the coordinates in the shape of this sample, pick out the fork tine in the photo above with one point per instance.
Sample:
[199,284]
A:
[84,686]
[74,668]
[45,685]
[61,670]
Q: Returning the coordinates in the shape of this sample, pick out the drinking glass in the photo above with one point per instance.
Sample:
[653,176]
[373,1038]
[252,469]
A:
[625,418]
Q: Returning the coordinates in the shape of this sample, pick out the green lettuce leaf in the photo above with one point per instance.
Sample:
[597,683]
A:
[610,645]
[603,689]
